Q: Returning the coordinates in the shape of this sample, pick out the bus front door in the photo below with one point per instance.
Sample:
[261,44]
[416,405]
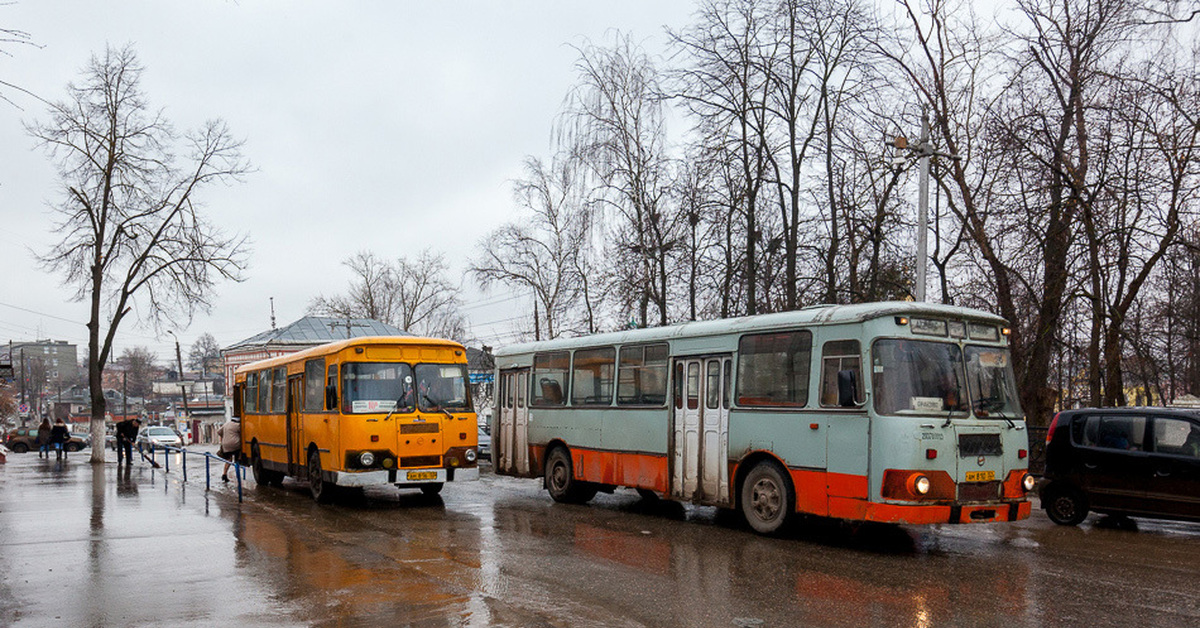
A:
[511,443]
[700,419]
[295,433]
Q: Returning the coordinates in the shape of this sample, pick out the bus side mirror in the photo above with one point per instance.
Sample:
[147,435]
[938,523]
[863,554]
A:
[331,397]
[847,389]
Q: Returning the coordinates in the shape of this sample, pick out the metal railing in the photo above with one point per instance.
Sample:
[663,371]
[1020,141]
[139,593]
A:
[239,470]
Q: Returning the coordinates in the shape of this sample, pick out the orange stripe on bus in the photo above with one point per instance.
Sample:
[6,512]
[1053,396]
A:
[621,469]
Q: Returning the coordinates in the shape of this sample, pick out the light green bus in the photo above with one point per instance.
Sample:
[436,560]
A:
[775,415]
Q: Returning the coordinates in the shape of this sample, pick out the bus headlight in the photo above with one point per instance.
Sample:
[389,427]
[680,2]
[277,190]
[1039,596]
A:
[470,455]
[1028,482]
[366,459]
[921,485]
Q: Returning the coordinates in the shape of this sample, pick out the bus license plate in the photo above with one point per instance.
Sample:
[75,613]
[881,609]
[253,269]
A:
[417,476]
[981,476]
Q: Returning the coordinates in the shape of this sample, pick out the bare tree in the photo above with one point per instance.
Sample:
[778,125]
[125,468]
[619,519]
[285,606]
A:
[141,370]
[413,294]
[205,354]
[542,253]
[133,230]
[617,128]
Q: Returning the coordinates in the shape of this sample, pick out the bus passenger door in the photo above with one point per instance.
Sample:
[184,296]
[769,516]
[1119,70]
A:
[521,424]
[295,427]
[714,443]
[511,451]
[700,430]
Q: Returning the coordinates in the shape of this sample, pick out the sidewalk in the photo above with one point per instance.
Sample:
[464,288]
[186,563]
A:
[97,546]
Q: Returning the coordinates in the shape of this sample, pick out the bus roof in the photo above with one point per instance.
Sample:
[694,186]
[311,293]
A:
[332,347]
[814,315]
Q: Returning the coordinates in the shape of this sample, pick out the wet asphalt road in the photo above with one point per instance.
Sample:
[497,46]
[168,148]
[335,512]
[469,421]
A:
[79,548]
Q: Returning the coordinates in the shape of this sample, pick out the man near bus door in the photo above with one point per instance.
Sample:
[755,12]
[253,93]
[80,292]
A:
[126,433]
[231,444]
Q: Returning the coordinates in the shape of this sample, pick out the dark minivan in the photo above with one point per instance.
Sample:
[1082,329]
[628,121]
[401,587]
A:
[1137,462]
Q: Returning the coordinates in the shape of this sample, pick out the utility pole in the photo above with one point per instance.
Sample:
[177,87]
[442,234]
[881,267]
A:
[182,389]
[923,150]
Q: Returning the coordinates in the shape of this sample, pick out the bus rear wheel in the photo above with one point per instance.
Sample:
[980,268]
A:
[766,498]
[262,477]
[561,482]
[322,491]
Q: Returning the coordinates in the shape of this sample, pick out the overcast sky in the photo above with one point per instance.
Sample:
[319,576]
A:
[381,126]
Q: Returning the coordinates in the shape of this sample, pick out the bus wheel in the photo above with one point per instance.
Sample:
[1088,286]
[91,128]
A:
[262,477]
[766,498]
[561,482]
[322,491]
[431,489]
[1066,507]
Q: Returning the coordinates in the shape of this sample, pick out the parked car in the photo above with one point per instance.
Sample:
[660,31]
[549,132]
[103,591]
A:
[1136,462]
[485,442]
[158,436]
[23,439]
[84,438]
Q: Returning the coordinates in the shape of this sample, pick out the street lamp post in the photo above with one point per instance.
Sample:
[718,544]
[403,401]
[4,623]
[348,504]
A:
[923,150]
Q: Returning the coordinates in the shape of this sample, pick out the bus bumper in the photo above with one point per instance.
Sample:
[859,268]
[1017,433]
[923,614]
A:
[360,478]
[862,510]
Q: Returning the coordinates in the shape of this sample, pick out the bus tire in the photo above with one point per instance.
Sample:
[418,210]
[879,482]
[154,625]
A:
[322,491]
[766,498]
[431,489]
[561,482]
[262,477]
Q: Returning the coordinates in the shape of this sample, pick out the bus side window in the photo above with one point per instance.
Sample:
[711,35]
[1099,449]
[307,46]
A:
[550,378]
[678,387]
[517,381]
[840,356]
[314,391]
[331,400]
[264,391]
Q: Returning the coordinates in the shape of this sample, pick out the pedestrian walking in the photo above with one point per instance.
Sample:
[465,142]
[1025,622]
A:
[230,435]
[59,435]
[43,438]
[126,433]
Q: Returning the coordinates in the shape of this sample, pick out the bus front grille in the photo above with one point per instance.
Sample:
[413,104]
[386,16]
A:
[420,461]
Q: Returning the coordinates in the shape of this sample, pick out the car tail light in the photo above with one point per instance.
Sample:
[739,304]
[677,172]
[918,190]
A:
[1053,425]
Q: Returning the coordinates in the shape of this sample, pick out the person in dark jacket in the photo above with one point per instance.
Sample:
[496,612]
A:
[59,435]
[43,438]
[126,433]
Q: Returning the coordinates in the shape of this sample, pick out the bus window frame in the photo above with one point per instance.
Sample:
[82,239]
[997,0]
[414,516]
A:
[612,377]
[860,398]
[564,385]
[319,396]
[666,367]
[739,376]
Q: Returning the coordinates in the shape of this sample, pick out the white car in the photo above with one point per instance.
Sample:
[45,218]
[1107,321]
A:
[158,436]
[485,443]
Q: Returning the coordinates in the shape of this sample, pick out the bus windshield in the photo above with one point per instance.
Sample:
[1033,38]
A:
[442,387]
[993,387]
[369,387]
[918,377]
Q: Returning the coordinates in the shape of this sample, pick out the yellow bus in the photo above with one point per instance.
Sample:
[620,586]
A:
[360,412]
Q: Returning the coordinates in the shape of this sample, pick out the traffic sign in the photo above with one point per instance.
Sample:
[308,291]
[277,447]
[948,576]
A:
[23,408]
